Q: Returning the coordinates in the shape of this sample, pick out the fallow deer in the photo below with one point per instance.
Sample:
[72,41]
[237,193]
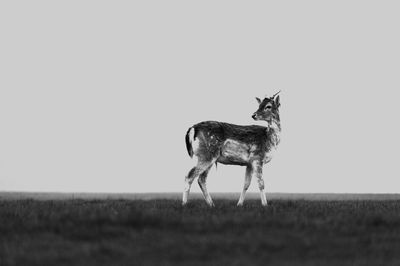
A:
[251,146]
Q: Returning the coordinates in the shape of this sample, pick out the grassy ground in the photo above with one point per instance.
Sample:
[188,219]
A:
[161,232]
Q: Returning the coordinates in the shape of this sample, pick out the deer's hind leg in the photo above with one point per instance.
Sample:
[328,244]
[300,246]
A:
[203,186]
[198,170]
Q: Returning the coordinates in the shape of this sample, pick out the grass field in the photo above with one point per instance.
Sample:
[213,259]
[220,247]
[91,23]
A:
[158,231]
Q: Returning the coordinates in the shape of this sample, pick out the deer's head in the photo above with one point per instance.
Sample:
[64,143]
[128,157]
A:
[268,109]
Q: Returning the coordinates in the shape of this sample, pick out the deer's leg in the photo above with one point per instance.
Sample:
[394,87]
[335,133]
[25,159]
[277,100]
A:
[202,183]
[193,173]
[188,183]
[260,181]
[247,181]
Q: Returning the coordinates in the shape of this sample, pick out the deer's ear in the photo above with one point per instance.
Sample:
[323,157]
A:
[277,101]
[258,100]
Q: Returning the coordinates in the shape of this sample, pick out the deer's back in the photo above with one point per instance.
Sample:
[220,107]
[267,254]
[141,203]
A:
[232,144]
[251,133]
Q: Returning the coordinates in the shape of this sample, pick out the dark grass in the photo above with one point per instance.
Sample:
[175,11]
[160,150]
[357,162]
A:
[161,232]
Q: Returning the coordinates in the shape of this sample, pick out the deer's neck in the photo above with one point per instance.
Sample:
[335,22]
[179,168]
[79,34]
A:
[274,130]
[274,124]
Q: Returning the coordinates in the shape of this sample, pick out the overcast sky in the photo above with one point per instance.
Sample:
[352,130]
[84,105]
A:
[97,96]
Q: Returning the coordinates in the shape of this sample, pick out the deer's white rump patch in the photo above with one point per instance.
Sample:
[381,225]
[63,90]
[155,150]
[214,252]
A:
[194,142]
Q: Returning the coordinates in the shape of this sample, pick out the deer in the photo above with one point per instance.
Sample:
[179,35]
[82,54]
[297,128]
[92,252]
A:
[252,146]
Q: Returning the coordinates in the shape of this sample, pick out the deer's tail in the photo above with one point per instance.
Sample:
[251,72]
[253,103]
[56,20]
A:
[190,135]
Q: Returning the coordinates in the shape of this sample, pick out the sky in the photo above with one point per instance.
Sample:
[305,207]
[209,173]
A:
[96,96]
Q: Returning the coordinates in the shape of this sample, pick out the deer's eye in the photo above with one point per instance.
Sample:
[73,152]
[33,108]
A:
[268,107]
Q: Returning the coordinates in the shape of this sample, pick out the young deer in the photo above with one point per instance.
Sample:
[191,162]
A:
[251,146]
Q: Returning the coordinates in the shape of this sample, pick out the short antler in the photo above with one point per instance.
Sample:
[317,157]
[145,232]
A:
[273,96]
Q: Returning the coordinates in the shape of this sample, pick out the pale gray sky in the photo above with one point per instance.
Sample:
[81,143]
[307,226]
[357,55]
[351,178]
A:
[98,95]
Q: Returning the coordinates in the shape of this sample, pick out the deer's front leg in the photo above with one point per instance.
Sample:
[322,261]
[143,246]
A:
[247,181]
[259,174]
